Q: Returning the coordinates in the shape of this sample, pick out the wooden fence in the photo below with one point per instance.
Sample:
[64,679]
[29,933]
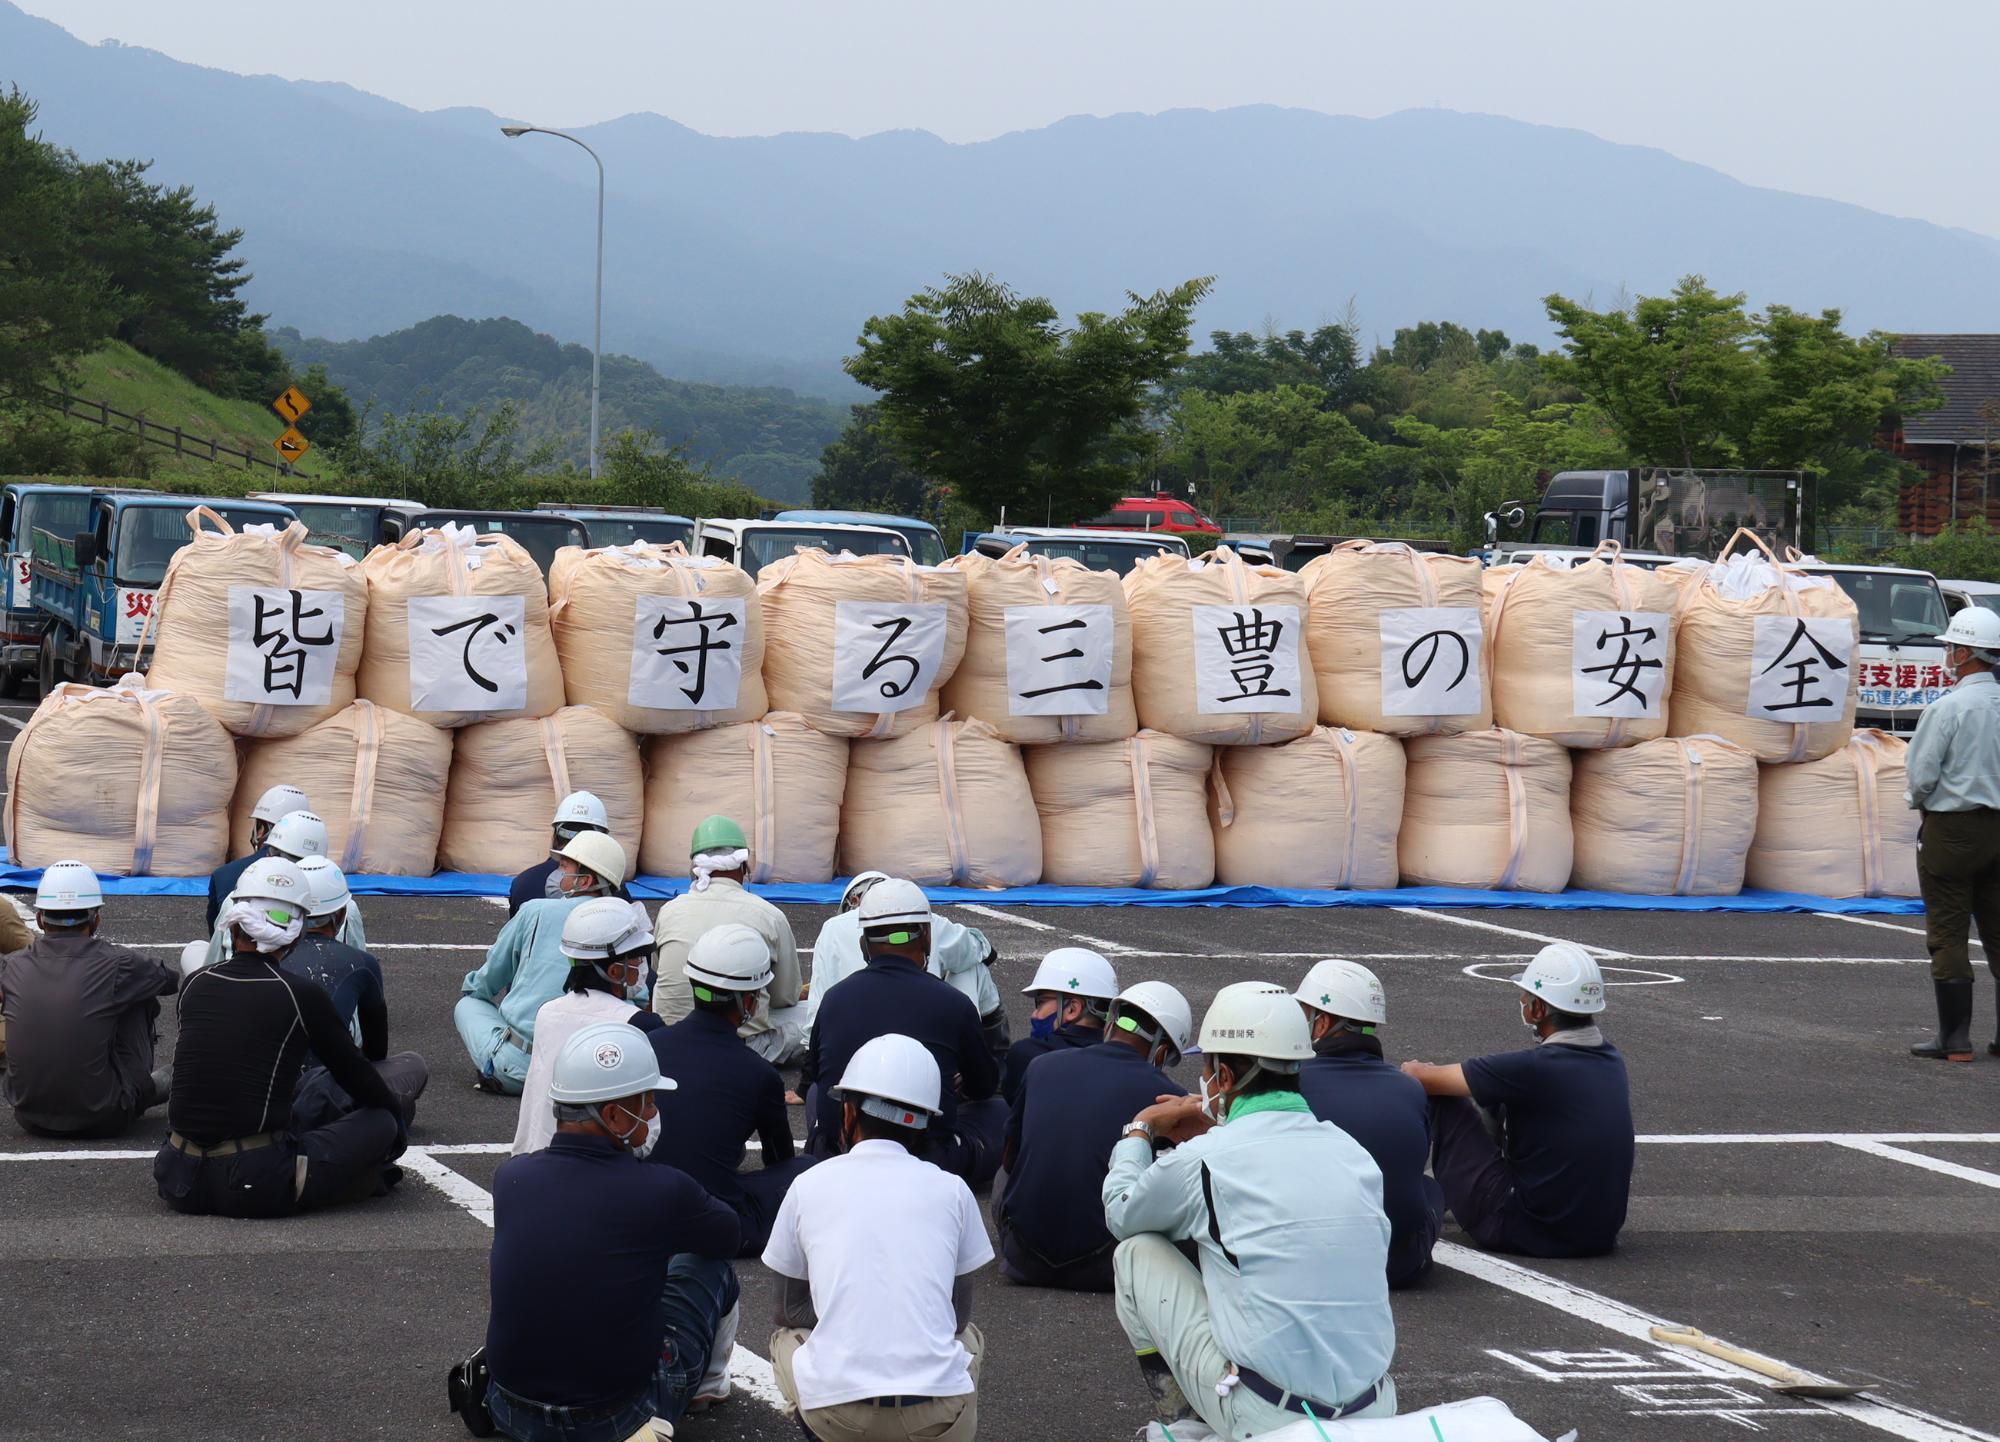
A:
[173,437]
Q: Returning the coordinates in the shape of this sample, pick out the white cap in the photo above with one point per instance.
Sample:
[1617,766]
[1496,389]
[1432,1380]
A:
[607,1062]
[68,886]
[278,801]
[1074,971]
[1257,1019]
[729,957]
[605,927]
[599,853]
[1975,626]
[1565,976]
[1165,1005]
[581,808]
[860,884]
[1344,988]
[899,1074]
[326,886]
[894,902]
[273,878]
[298,834]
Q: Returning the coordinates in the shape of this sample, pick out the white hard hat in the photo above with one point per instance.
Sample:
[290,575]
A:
[274,879]
[278,801]
[1257,1019]
[298,834]
[607,1062]
[1565,976]
[1344,988]
[194,956]
[604,928]
[1074,971]
[68,886]
[892,902]
[893,1077]
[326,886]
[581,808]
[730,957]
[599,853]
[851,894]
[1975,626]
[1164,1005]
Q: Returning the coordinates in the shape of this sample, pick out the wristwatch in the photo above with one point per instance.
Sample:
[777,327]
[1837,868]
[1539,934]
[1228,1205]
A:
[1140,1125]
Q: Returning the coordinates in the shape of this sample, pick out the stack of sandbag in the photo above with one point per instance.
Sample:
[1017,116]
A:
[656,639]
[777,777]
[261,628]
[1767,658]
[947,805]
[1582,654]
[458,630]
[1396,640]
[1219,651]
[1048,650]
[1668,817]
[1486,809]
[127,780]
[1838,826]
[859,645]
[507,776]
[1124,813]
[376,776]
[1321,811]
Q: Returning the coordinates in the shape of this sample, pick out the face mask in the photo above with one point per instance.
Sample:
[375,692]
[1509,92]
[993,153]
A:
[554,885]
[1211,1101]
[1041,1028]
[1530,1025]
[643,1149]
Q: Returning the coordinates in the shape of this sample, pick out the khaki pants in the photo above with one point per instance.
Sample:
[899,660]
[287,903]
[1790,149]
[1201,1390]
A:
[941,1419]
[1958,871]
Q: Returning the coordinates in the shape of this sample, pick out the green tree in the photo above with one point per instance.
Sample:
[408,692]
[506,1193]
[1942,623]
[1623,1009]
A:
[858,471]
[1472,471]
[638,470]
[473,460]
[1265,453]
[54,305]
[1328,360]
[988,393]
[332,421]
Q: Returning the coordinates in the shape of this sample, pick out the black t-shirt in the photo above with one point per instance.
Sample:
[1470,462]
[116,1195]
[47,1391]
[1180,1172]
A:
[892,995]
[1566,1117]
[724,1094]
[1390,1116]
[353,979]
[1028,1048]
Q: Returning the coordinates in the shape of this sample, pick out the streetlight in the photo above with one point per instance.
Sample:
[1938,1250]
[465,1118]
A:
[515,132]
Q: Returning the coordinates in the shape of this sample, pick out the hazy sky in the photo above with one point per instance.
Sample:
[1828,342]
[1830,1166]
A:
[1893,106]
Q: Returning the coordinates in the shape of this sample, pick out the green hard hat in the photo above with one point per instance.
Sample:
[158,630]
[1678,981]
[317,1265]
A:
[716,832]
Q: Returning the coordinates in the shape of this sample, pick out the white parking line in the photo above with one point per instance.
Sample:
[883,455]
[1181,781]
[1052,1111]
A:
[17,725]
[1882,925]
[1098,943]
[1791,1139]
[1476,924]
[1918,1159]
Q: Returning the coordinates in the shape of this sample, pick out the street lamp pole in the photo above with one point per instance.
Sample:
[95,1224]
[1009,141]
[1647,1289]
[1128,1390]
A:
[515,132]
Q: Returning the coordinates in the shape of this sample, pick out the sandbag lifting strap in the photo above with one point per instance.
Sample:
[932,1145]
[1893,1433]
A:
[763,801]
[361,801]
[1691,827]
[1137,757]
[1512,756]
[1861,752]
[557,756]
[943,744]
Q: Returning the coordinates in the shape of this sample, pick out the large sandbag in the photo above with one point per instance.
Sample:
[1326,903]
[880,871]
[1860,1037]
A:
[778,778]
[1048,650]
[1838,826]
[1581,654]
[656,639]
[1321,811]
[1767,658]
[127,780]
[261,628]
[860,645]
[1396,640]
[377,777]
[946,805]
[1486,809]
[1669,817]
[476,609]
[506,777]
[1219,650]
[1124,813]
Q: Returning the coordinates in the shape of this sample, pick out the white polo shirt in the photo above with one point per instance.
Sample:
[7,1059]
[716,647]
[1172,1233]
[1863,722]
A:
[881,1237]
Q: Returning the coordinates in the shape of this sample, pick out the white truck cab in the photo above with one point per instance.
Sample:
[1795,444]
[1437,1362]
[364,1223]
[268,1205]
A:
[753,545]
[1900,667]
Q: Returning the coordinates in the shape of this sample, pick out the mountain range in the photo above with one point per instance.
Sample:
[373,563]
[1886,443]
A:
[759,259]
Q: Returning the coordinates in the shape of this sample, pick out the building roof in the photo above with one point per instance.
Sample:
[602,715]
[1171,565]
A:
[1974,380]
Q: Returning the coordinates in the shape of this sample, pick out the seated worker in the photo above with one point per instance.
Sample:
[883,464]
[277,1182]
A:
[276,802]
[14,935]
[1555,1183]
[82,1016]
[719,859]
[876,1250]
[1073,1106]
[352,979]
[894,993]
[960,954]
[293,837]
[246,1029]
[1289,1310]
[576,813]
[1072,990]
[607,1278]
[608,944]
[525,966]
[1349,1084]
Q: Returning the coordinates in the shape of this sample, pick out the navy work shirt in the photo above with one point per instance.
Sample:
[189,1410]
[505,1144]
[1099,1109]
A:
[725,1093]
[353,979]
[1073,1106]
[582,1238]
[1390,1116]
[894,995]
[223,879]
[533,885]
[1566,1114]
[1029,1047]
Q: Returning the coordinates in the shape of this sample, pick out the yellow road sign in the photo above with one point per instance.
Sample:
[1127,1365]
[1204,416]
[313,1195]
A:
[291,445]
[292,404]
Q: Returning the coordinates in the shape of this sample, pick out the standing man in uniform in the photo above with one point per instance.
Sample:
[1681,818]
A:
[276,802]
[1072,992]
[1954,779]
[576,813]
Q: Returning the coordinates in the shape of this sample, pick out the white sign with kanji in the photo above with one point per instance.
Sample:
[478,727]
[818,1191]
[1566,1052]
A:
[1430,661]
[1059,660]
[1618,663]
[1801,668]
[468,653]
[886,654]
[282,645]
[1246,660]
[687,652]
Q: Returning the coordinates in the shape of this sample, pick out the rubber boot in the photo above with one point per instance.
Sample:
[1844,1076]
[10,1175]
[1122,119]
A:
[1170,1403]
[1954,1008]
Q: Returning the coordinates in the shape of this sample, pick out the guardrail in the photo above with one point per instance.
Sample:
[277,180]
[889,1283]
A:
[201,448]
